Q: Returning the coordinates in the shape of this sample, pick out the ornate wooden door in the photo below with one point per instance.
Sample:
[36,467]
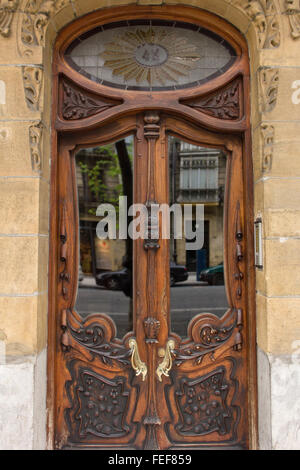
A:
[177,375]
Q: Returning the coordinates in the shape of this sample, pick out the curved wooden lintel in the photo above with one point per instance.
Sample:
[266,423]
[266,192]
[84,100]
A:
[180,110]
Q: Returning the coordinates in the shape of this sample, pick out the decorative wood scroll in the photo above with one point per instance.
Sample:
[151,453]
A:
[64,275]
[77,104]
[223,104]
[207,333]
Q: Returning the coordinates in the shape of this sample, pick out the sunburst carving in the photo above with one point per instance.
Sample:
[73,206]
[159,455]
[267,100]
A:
[151,56]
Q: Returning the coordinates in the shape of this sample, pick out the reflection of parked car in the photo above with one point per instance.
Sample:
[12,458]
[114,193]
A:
[178,273]
[214,275]
[112,279]
[116,280]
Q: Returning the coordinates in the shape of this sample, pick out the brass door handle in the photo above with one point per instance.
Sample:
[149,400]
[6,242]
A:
[138,365]
[166,365]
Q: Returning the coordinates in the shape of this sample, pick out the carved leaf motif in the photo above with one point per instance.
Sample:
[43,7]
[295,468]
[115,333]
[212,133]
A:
[35,18]
[76,105]
[223,105]
[7,10]
[268,82]
[35,136]
[32,80]
[293,12]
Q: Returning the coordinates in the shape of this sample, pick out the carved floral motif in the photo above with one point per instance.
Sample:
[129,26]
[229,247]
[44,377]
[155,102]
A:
[224,104]
[99,407]
[202,405]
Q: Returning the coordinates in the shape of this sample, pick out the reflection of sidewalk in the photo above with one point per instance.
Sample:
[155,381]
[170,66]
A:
[89,281]
[192,281]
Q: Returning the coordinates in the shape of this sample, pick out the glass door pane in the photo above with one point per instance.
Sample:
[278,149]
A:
[196,178]
[104,174]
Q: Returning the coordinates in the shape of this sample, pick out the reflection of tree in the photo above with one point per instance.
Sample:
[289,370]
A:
[108,175]
[102,171]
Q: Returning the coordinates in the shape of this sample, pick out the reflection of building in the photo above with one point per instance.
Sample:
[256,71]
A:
[198,177]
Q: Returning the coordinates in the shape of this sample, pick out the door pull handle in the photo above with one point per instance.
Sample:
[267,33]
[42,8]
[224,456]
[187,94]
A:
[166,365]
[137,364]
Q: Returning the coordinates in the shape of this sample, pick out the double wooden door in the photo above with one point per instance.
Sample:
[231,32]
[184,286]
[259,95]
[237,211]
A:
[152,387]
[143,354]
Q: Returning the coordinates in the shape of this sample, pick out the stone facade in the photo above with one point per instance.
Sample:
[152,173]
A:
[28,29]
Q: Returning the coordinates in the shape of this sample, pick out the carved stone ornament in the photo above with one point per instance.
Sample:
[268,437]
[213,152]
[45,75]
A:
[268,78]
[224,104]
[7,10]
[35,137]
[293,13]
[267,132]
[77,105]
[33,23]
[265,17]
[32,81]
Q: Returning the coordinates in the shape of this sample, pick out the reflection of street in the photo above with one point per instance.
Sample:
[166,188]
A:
[187,300]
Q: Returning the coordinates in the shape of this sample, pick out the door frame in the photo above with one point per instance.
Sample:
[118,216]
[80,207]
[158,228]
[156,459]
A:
[177,105]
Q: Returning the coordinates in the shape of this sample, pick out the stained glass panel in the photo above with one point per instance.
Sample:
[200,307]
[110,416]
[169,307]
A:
[150,55]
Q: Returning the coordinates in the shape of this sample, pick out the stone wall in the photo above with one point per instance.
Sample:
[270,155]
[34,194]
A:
[27,32]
